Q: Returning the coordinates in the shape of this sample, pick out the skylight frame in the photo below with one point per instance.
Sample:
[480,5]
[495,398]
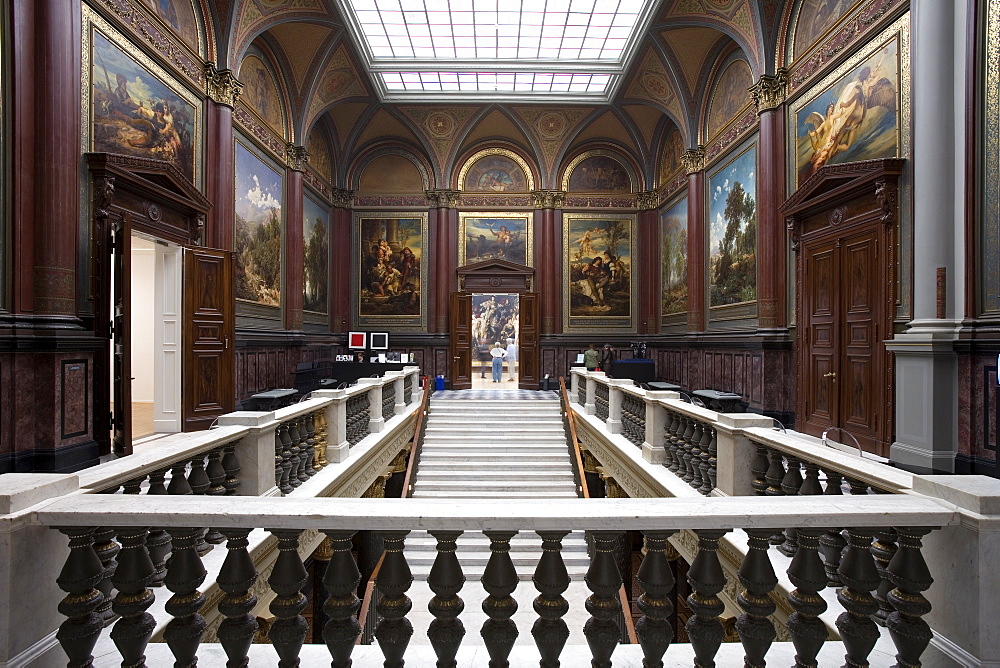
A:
[614,69]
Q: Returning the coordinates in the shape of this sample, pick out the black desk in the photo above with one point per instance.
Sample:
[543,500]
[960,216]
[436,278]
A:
[350,372]
[272,399]
[723,402]
[663,387]
[639,370]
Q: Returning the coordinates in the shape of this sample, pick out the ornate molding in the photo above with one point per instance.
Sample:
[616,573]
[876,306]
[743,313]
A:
[342,199]
[646,200]
[317,184]
[444,198]
[599,202]
[886,194]
[769,92]
[548,199]
[298,157]
[262,134]
[495,201]
[222,86]
[397,201]
[731,136]
[693,160]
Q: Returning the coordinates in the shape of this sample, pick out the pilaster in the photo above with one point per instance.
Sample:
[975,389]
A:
[615,403]
[340,259]
[734,452]
[298,157]
[694,164]
[375,421]
[548,259]
[444,235]
[223,89]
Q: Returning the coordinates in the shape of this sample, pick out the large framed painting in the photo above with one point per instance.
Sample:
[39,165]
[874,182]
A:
[494,236]
[732,230]
[598,271]
[390,270]
[673,254]
[856,112]
[315,256]
[815,18]
[180,16]
[132,106]
[259,226]
[598,171]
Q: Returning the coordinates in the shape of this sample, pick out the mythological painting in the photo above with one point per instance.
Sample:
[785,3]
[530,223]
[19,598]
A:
[673,149]
[815,18]
[732,238]
[315,255]
[179,15]
[259,224]
[730,96]
[319,155]
[134,112]
[494,236]
[260,93]
[673,253]
[495,173]
[856,117]
[598,269]
[391,269]
[599,174]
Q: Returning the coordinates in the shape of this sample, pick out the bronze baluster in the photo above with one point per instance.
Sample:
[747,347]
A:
[132,577]
[341,607]
[911,577]
[237,578]
[394,579]
[288,632]
[757,576]
[550,579]
[657,581]
[707,580]
[79,578]
[858,573]
[499,580]
[185,573]
[445,580]
[809,577]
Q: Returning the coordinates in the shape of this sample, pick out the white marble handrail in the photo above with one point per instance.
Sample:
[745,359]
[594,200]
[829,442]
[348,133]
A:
[487,515]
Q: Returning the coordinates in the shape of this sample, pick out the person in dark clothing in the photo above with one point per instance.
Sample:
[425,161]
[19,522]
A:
[608,357]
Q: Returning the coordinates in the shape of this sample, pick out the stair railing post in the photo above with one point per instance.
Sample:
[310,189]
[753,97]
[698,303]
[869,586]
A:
[654,447]
[615,403]
[337,445]
[735,451]
[255,451]
[590,408]
[376,422]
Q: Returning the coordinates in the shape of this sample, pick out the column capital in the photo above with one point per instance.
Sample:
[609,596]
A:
[222,85]
[444,198]
[770,90]
[547,199]
[297,156]
[342,199]
[693,160]
[646,200]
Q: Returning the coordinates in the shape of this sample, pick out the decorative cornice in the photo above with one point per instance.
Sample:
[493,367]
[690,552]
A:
[265,136]
[548,199]
[342,199]
[222,85]
[731,136]
[444,198]
[646,200]
[393,201]
[769,92]
[317,184]
[493,201]
[599,202]
[693,160]
[297,157]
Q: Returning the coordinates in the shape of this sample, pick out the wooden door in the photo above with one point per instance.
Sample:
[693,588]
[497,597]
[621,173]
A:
[208,375]
[121,336]
[460,367]
[821,299]
[528,341]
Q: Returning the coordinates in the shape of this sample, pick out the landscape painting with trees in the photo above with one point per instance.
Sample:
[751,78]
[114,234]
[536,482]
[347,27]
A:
[258,229]
[673,251]
[732,208]
[316,256]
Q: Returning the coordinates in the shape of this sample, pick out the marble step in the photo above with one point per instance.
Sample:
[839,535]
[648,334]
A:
[537,454]
[428,474]
[492,430]
[472,494]
[464,419]
[464,439]
[430,462]
[484,488]
[509,448]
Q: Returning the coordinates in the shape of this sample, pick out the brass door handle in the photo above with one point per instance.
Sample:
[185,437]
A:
[832,374]
[456,357]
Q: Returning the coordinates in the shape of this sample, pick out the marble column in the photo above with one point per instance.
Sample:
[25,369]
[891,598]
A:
[647,262]
[548,218]
[340,261]
[294,242]
[220,179]
[444,235]
[694,165]
[926,366]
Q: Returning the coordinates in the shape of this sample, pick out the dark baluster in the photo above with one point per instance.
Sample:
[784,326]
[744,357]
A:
[394,630]
[858,487]
[132,577]
[107,549]
[288,632]
[758,466]
[707,459]
[445,580]
[341,582]
[832,543]
[309,438]
[706,579]
[807,574]
[713,460]
[158,540]
[279,460]
[657,582]
[133,486]
[200,484]
[775,474]
[296,477]
[604,580]
[672,442]
[299,437]
[237,579]
[790,485]
[551,579]
[216,476]
[231,465]
[499,580]
[185,573]
[758,579]
[883,550]
[79,578]
[289,474]
[687,469]
[695,449]
[860,577]
[911,577]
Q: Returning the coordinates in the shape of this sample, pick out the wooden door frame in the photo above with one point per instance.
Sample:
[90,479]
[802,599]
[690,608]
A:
[836,202]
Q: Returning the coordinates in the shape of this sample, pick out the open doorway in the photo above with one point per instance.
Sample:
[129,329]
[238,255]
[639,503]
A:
[495,329]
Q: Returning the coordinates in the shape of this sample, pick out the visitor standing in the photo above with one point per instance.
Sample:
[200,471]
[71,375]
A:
[608,359]
[497,353]
[591,357]
[511,358]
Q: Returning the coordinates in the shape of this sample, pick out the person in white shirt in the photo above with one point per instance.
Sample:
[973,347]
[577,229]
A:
[498,354]
[511,358]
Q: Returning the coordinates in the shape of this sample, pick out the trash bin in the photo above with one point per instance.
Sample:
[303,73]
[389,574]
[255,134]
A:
[439,384]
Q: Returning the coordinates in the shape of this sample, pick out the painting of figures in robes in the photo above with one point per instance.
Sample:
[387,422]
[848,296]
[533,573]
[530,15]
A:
[496,173]
[179,15]
[815,18]
[494,236]
[135,113]
[391,271]
[732,239]
[599,269]
[673,252]
[316,256]
[259,225]
[854,118]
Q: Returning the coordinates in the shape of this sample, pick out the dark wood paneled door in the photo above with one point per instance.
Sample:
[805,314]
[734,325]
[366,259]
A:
[460,365]
[527,336]
[121,335]
[209,329]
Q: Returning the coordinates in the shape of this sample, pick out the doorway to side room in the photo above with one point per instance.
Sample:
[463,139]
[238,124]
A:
[495,319]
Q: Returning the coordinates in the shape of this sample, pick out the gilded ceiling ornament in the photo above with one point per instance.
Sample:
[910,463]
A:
[222,85]
[342,199]
[547,199]
[693,160]
[297,157]
[646,200]
[444,198]
[769,91]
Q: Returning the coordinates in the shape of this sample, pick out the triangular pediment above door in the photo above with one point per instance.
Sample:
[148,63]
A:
[495,276]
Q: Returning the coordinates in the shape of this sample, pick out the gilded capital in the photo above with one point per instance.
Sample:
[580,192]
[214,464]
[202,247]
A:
[693,160]
[443,198]
[547,199]
[769,91]
[222,85]
[297,157]
[342,199]
[646,200]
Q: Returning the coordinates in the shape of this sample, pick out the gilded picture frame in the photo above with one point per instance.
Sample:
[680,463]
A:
[674,261]
[599,272]
[387,292]
[259,232]
[495,236]
[731,234]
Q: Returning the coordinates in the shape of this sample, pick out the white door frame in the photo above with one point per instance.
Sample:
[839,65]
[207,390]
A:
[167,338]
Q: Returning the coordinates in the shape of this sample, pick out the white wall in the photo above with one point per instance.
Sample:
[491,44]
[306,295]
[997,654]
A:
[143,302]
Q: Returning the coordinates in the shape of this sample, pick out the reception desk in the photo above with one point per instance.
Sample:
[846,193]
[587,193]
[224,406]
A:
[639,370]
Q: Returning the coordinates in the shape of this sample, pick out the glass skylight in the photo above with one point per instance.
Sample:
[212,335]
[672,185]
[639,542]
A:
[512,46]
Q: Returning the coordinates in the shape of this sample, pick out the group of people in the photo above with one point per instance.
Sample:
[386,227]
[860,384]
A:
[603,360]
[498,354]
